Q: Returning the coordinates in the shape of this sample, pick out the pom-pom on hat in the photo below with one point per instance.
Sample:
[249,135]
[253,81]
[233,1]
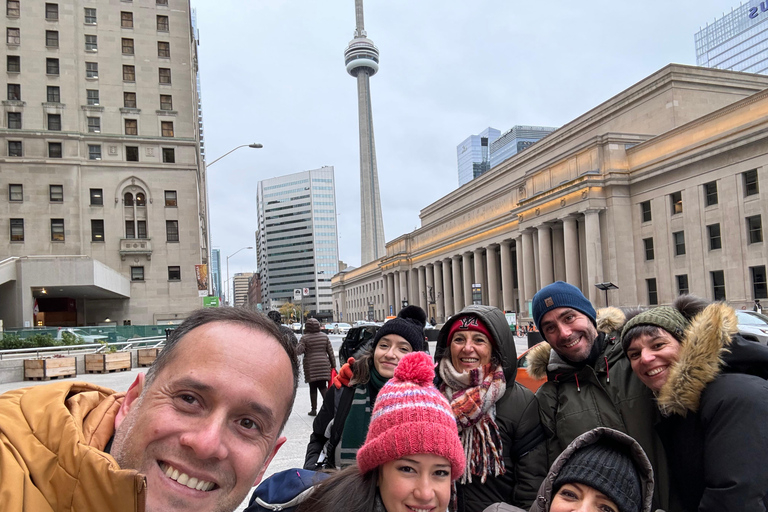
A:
[409,324]
[411,417]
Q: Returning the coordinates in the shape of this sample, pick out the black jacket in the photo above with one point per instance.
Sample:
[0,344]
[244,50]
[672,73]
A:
[335,408]
[517,415]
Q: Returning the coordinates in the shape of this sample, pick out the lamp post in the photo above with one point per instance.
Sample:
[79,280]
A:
[254,145]
[229,285]
[605,287]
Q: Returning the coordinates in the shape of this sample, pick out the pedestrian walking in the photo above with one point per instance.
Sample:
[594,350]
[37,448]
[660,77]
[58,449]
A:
[318,360]
[758,308]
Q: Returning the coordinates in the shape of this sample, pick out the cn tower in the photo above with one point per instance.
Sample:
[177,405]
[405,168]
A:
[362,60]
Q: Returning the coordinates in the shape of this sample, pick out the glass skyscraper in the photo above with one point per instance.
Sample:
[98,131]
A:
[474,154]
[515,140]
[738,41]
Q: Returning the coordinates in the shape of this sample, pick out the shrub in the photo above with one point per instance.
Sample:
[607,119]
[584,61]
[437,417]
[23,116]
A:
[13,341]
[42,340]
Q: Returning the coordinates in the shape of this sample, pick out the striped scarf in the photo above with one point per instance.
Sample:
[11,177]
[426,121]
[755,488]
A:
[473,396]
[356,424]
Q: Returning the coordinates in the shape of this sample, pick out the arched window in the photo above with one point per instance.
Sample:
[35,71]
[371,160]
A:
[140,200]
[128,199]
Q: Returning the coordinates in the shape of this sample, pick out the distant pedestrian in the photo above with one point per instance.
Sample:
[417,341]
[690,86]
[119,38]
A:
[318,360]
[758,307]
[285,330]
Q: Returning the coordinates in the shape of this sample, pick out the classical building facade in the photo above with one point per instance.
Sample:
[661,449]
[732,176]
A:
[660,190]
[102,191]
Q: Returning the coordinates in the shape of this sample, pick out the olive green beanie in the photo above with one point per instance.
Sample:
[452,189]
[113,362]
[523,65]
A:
[665,317]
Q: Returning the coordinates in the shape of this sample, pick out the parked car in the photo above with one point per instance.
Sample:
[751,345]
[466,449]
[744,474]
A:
[356,341]
[522,373]
[753,326]
[336,328]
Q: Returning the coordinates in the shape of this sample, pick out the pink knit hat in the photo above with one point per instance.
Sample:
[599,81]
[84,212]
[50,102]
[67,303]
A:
[411,417]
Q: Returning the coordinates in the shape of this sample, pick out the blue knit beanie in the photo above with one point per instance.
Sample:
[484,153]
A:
[561,295]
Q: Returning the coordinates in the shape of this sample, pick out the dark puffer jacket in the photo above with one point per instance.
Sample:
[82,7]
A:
[318,353]
[517,415]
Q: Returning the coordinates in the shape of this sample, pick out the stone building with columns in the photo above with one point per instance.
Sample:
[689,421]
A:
[657,190]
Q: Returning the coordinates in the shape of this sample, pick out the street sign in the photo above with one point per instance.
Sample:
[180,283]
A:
[297,294]
[210,302]
[477,293]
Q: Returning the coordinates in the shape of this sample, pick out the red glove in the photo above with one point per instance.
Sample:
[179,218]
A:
[345,374]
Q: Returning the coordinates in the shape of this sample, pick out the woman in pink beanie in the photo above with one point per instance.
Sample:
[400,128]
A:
[411,455]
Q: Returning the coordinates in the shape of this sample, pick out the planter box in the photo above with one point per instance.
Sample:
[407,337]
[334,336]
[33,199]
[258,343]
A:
[51,368]
[147,356]
[105,363]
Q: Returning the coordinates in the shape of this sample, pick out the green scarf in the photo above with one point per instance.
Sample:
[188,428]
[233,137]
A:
[356,425]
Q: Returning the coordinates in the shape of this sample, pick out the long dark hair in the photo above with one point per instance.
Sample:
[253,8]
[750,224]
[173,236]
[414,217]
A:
[357,492]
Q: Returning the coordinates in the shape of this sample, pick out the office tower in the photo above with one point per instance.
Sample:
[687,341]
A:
[104,215]
[240,285]
[737,41]
[362,60]
[215,273]
[297,245]
[473,155]
[515,140]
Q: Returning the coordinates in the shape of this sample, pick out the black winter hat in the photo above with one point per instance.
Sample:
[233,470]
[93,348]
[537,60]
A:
[609,470]
[409,324]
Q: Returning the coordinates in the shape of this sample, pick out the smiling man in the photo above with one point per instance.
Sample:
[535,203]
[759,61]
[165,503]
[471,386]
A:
[195,434]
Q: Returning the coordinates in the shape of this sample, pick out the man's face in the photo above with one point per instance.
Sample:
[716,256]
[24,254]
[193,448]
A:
[570,333]
[205,429]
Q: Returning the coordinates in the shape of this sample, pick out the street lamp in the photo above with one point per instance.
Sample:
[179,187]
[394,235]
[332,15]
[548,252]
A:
[254,145]
[229,285]
[605,287]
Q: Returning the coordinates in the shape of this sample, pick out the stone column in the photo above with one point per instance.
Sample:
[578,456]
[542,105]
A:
[479,275]
[448,287]
[594,254]
[437,278]
[557,251]
[403,290]
[387,295]
[413,286]
[545,256]
[493,276]
[458,292]
[571,252]
[528,266]
[430,286]
[466,271]
[521,296]
[392,295]
[507,281]
[423,302]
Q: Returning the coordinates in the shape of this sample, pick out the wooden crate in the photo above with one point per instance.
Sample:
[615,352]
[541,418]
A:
[147,356]
[51,368]
[109,362]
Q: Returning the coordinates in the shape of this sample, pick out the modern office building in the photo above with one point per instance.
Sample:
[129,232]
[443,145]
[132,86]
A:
[738,41]
[297,244]
[515,140]
[362,60]
[254,293]
[474,154]
[660,190]
[240,286]
[215,274]
[102,193]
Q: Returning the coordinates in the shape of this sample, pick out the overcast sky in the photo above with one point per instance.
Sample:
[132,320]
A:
[272,72]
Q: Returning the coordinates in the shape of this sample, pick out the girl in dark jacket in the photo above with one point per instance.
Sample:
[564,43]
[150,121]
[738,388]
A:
[340,428]
[318,360]
[711,390]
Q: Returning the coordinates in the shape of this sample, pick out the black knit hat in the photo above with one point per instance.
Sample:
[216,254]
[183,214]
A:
[409,324]
[608,469]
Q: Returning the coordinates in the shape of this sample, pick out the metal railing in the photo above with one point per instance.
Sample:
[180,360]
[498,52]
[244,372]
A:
[85,348]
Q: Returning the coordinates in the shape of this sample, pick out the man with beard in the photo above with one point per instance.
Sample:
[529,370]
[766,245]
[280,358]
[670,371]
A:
[194,434]
[590,382]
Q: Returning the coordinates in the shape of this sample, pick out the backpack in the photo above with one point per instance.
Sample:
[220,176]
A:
[285,490]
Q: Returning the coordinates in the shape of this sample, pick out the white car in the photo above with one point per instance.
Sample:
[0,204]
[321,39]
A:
[753,326]
[88,338]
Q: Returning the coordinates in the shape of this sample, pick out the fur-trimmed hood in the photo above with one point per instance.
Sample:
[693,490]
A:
[609,320]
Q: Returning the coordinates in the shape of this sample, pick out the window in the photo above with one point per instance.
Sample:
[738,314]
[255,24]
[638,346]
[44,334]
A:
[12,8]
[126,19]
[97,197]
[682,284]
[169,156]
[166,128]
[162,23]
[94,124]
[162,2]
[676,200]
[52,11]
[91,70]
[165,75]
[129,99]
[56,193]
[137,273]
[13,36]
[54,122]
[94,151]
[97,230]
[129,73]
[130,229]
[57,230]
[127,46]
[141,227]
[163,49]
[132,153]
[678,239]
[718,284]
[166,102]
[14,92]
[170,198]
[17,230]
[715,241]
[54,150]
[15,148]
[710,193]
[754,229]
[172,230]
[52,66]
[14,120]
[648,243]
[53,94]
[174,273]
[15,192]
[759,286]
[140,200]
[13,64]
[750,183]
[131,127]
[52,38]
[90,16]
[92,96]
[91,44]
[645,210]
[653,296]
[128,199]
